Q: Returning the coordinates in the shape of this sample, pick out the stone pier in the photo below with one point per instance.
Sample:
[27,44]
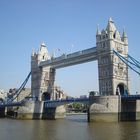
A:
[104,108]
[113,109]
[2,112]
[36,110]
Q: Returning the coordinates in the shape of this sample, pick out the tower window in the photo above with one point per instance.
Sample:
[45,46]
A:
[114,35]
[104,45]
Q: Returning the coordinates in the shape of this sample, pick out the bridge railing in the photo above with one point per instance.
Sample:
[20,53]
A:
[54,103]
[130,96]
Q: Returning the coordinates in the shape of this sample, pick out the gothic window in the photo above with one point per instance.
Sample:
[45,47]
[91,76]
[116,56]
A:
[104,45]
[115,71]
[103,73]
[109,84]
[114,35]
[115,60]
[106,59]
[108,71]
[46,76]
[103,61]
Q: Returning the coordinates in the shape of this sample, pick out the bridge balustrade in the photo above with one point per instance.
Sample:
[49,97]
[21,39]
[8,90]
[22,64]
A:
[55,103]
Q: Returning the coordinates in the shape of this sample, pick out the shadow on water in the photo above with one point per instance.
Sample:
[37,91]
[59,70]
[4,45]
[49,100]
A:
[128,110]
[114,131]
[77,118]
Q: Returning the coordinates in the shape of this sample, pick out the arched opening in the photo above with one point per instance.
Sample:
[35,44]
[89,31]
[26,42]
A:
[45,96]
[121,89]
[1,101]
[76,107]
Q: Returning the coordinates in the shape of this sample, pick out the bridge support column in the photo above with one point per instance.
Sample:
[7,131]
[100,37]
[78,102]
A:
[31,110]
[54,112]
[130,110]
[36,110]
[2,112]
[138,110]
[104,109]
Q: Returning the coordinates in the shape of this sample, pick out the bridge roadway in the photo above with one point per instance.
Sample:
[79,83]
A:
[11,104]
[71,59]
[55,103]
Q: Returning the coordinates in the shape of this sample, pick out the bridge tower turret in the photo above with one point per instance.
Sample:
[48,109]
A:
[113,73]
[42,78]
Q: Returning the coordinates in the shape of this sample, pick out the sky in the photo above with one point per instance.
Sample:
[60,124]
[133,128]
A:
[69,25]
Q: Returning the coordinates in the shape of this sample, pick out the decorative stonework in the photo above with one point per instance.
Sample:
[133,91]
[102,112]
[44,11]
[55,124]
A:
[42,78]
[112,71]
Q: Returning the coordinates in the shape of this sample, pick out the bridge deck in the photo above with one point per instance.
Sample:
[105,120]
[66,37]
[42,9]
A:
[130,97]
[55,103]
[12,104]
[71,59]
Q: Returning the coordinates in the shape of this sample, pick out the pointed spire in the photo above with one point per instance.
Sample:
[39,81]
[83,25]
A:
[111,26]
[124,35]
[98,32]
[43,44]
[33,52]
[110,20]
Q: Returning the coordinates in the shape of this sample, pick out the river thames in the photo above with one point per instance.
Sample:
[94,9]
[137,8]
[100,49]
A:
[74,127]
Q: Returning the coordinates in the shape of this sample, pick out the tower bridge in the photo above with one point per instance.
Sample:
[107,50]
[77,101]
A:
[112,72]
[111,52]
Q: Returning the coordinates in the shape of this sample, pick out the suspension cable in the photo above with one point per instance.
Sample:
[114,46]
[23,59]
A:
[20,89]
[127,62]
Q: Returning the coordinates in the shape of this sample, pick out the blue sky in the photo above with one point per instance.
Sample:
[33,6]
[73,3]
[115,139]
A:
[25,24]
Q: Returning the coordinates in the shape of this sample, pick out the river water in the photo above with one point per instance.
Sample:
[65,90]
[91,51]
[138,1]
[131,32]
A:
[74,127]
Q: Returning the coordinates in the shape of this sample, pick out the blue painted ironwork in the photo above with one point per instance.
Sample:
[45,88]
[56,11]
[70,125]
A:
[10,101]
[20,89]
[54,103]
[12,104]
[132,63]
[130,97]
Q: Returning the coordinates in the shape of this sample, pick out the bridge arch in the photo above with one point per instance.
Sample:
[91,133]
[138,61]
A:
[46,96]
[121,89]
[1,100]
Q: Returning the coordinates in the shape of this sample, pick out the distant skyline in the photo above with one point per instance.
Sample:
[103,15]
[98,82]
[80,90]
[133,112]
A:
[65,25]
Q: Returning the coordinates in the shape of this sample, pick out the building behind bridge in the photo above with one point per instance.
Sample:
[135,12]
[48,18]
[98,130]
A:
[3,95]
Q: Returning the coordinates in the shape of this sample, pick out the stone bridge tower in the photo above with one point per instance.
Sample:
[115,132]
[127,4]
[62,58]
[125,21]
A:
[42,78]
[113,73]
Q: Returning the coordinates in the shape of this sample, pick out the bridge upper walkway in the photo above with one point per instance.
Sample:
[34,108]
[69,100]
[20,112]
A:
[71,59]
